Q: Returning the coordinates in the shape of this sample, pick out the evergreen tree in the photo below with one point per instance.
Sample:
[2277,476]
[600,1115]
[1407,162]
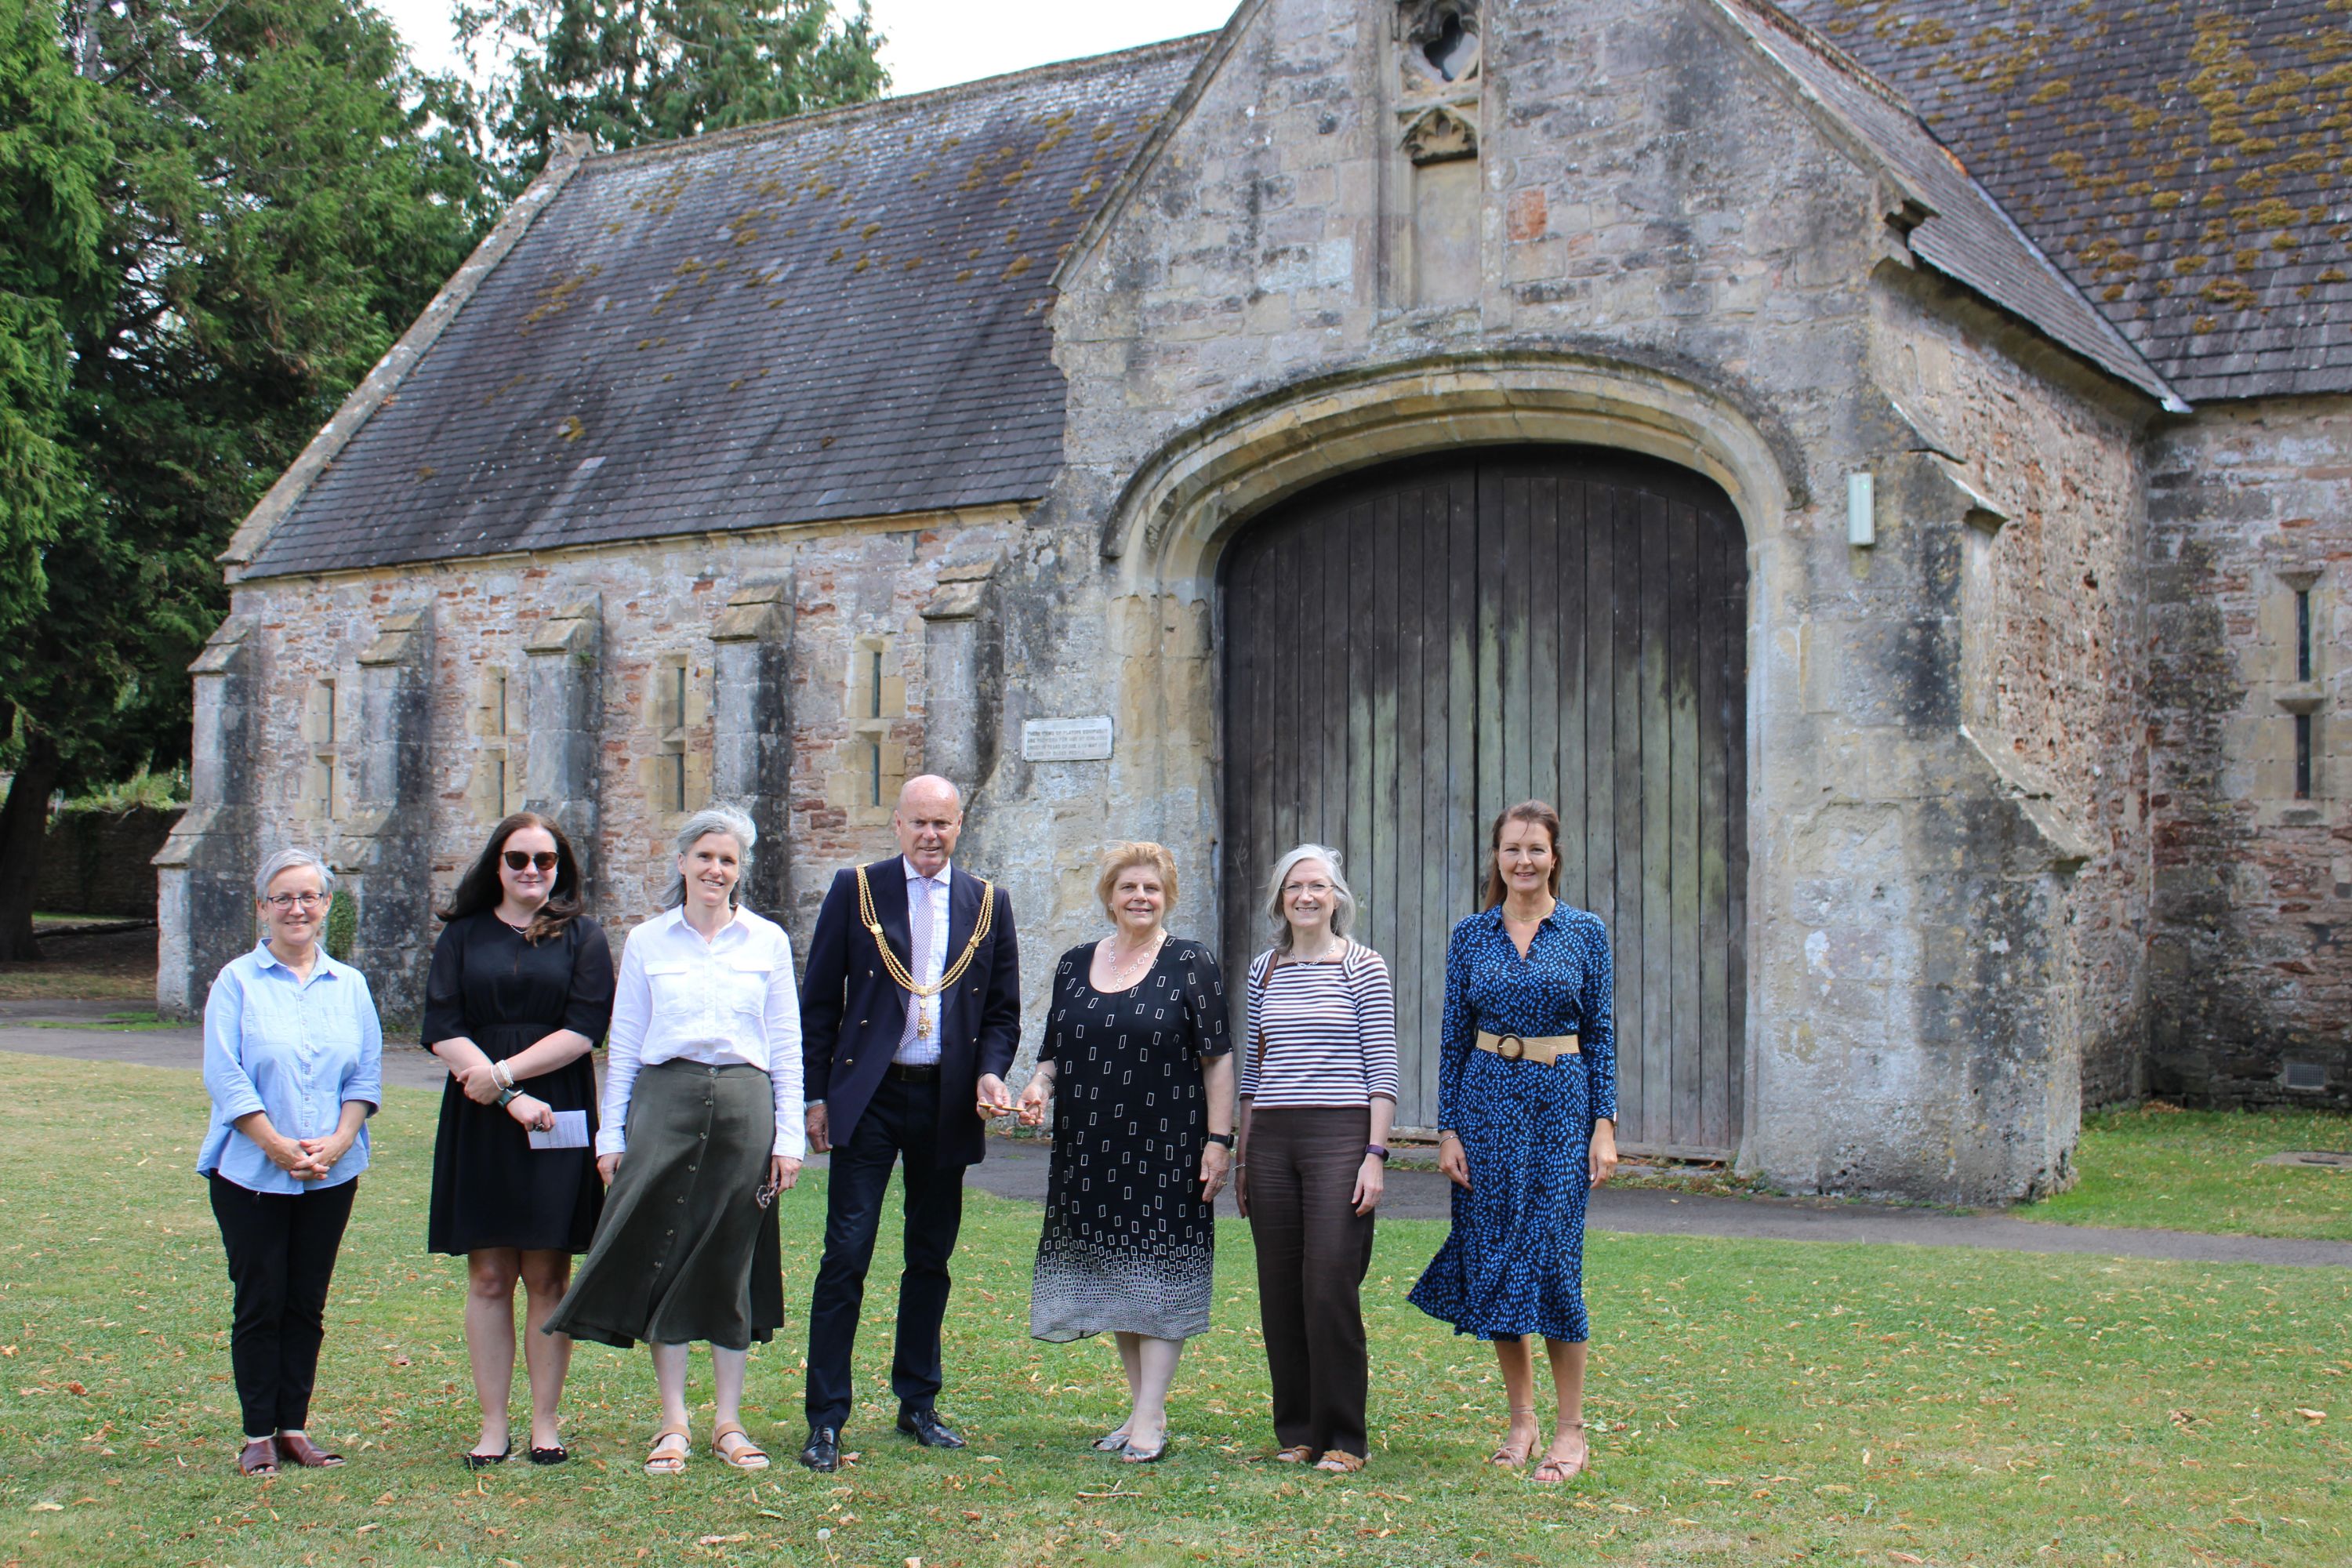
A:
[276,194]
[627,71]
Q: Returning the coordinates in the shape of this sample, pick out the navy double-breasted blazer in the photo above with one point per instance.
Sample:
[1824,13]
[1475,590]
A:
[852,1014]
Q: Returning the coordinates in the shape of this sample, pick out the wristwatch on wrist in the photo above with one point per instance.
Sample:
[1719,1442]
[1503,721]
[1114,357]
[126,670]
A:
[508,1095]
[1378,1151]
[1225,1140]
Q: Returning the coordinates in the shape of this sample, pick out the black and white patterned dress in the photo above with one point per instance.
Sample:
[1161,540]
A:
[1129,1246]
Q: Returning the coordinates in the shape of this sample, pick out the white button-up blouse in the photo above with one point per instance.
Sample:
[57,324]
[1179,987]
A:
[728,999]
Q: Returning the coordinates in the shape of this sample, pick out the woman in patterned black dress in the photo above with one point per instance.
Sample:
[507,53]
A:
[519,993]
[1525,1140]
[1139,1063]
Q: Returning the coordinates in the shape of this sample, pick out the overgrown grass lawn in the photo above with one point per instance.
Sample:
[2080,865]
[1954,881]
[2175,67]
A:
[2155,1166]
[1758,1402]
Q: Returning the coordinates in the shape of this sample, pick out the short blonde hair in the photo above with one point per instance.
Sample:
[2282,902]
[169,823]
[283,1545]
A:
[1129,853]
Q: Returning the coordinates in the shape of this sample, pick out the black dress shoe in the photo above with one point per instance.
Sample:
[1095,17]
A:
[926,1429]
[823,1453]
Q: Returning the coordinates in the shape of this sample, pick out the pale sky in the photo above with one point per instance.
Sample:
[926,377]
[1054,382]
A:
[934,43]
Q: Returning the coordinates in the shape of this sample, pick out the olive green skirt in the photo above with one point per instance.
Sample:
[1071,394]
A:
[684,1251]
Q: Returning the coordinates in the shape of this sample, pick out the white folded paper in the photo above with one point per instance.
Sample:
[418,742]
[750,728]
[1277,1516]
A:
[570,1132]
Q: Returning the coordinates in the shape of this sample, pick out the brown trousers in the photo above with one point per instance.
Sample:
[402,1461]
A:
[1312,1251]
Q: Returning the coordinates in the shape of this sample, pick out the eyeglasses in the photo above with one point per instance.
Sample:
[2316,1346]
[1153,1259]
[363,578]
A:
[295,900]
[517,859]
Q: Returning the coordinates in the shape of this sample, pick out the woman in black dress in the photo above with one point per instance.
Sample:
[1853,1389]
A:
[1139,1063]
[519,994]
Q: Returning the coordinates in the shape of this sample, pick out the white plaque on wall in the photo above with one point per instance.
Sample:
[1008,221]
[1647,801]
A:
[1065,740]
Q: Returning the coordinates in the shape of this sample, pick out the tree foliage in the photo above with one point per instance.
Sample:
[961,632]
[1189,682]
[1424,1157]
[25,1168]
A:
[627,71]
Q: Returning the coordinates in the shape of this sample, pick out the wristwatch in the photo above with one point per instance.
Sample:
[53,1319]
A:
[509,1094]
[1379,1152]
[1225,1140]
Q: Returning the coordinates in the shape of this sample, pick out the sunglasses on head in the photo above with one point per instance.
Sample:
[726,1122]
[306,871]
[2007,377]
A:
[517,859]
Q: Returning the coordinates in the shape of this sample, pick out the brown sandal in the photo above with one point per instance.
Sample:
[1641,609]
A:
[1559,1469]
[259,1457]
[1340,1462]
[300,1450]
[1511,1454]
[743,1456]
[1296,1454]
[665,1460]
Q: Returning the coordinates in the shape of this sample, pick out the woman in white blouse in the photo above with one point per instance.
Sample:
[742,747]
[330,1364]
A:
[702,1128]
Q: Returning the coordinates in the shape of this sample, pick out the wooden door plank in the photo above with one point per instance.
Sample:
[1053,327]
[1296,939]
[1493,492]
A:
[1563,513]
[1683,831]
[1625,608]
[1545,616]
[1488,611]
[1599,693]
[1409,957]
[1376,890]
[1326,702]
[1714,1066]
[1657,827]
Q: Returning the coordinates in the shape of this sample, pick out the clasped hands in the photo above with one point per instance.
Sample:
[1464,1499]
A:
[309,1159]
[479,1082]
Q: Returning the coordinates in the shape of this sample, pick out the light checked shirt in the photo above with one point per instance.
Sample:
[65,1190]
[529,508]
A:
[922,1048]
[297,1050]
[727,999]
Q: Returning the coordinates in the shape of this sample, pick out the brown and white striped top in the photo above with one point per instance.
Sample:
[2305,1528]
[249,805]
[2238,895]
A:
[1328,1032]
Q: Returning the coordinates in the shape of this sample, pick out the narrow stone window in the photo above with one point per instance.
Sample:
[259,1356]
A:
[498,718]
[2303,756]
[1453,51]
[498,770]
[671,775]
[674,739]
[323,723]
[872,761]
[2303,634]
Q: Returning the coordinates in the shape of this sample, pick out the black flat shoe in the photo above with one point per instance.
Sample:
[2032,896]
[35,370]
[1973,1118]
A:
[823,1451]
[926,1427]
[484,1461]
[554,1456]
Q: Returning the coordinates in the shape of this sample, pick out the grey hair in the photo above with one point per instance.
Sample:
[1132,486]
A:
[286,860]
[1343,910]
[713,819]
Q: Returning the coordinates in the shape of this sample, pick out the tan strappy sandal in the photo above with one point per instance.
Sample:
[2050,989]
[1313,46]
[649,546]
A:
[1559,1469]
[667,1456]
[1296,1454]
[1339,1462]
[745,1454]
[1511,1454]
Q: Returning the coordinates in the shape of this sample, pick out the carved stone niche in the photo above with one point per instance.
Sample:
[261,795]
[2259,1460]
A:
[1440,135]
[1441,39]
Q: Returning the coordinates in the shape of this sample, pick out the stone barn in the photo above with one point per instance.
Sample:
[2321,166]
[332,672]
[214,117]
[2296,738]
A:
[1883,470]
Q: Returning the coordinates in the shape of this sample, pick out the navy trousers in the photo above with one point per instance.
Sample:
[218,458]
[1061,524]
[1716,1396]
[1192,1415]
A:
[899,1126]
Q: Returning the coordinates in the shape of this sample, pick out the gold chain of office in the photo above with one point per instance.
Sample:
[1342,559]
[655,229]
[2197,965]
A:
[897,971]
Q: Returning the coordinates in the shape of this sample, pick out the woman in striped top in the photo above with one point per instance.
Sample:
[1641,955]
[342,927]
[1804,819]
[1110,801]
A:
[1318,1090]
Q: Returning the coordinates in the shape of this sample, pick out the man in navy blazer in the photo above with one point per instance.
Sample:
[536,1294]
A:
[889,1074]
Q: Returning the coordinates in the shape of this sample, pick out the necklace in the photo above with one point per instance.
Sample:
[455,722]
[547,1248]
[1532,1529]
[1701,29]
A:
[1125,975]
[522,930]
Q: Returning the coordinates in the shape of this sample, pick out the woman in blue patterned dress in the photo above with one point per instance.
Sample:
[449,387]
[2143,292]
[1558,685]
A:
[1526,1098]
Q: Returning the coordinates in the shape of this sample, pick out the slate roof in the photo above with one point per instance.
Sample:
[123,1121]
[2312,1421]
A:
[837,316]
[1965,237]
[2184,161]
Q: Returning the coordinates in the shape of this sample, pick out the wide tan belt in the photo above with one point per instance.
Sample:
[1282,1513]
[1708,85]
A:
[1545,1050]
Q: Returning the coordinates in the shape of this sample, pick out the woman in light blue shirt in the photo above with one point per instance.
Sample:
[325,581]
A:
[294,1062]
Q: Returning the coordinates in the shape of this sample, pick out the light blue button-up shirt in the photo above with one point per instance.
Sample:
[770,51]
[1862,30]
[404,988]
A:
[295,1048]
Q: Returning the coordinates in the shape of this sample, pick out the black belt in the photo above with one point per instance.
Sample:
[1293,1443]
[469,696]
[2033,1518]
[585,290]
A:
[905,1072]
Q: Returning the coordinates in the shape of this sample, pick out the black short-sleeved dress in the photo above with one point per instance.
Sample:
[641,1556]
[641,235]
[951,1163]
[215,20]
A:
[1129,1246]
[490,1187]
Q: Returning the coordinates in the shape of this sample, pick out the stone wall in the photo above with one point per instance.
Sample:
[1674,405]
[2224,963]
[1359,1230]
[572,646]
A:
[663,610]
[2249,982]
[98,862]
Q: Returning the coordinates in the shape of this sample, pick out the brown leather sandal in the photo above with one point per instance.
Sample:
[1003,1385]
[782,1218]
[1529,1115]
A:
[1296,1454]
[259,1457]
[667,1456]
[1339,1462]
[1556,1468]
[743,1456]
[298,1448]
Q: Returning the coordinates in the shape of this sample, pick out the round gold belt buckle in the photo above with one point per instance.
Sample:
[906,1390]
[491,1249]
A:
[1510,1047]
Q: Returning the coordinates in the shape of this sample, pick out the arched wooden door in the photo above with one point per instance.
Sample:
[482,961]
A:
[1410,650]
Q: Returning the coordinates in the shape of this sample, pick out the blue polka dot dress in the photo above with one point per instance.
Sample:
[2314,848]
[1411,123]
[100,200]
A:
[1513,1264]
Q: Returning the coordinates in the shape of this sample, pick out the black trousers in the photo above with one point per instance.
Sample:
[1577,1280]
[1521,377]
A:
[281,1255]
[1313,1248]
[902,1122]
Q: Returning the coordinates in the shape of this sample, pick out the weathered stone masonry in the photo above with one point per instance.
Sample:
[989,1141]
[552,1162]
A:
[2022,785]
